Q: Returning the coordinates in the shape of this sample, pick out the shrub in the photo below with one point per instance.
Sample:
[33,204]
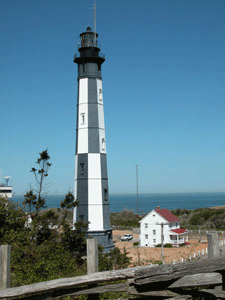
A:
[165,246]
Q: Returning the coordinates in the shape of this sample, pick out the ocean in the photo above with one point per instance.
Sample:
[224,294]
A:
[147,202]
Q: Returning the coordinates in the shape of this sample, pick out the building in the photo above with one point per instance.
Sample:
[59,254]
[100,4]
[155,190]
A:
[151,229]
[91,179]
[6,189]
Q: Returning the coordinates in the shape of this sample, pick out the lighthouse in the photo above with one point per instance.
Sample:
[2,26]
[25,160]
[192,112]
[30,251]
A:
[91,179]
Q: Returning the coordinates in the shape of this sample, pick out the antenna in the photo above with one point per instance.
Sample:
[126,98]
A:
[7,179]
[94,25]
[137,200]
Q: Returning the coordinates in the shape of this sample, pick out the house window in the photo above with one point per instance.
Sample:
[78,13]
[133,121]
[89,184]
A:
[154,231]
[146,236]
[146,225]
[154,241]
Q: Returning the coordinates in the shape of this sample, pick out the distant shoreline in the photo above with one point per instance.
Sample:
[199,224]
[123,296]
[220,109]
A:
[148,202]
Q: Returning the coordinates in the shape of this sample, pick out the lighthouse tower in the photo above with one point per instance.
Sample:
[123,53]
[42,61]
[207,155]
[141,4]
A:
[91,180]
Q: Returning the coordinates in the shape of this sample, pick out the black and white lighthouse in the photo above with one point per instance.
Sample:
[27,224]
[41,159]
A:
[91,179]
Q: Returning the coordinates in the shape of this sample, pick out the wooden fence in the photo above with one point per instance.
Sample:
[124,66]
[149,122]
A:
[204,278]
[164,281]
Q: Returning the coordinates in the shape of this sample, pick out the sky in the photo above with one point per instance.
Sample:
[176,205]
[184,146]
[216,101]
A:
[163,89]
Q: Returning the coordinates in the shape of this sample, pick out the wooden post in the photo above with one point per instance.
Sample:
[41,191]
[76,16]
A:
[5,251]
[92,256]
[213,245]
[92,262]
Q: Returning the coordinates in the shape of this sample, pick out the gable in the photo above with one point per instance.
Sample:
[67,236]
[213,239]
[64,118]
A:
[164,214]
[151,216]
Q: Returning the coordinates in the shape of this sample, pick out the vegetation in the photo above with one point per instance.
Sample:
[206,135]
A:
[47,248]
[35,200]
[126,218]
[202,218]
[165,246]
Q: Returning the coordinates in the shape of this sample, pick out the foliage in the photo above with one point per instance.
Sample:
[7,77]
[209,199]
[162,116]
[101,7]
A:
[29,201]
[177,212]
[125,218]
[12,220]
[74,240]
[33,261]
[136,244]
[39,252]
[37,201]
[202,218]
[113,260]
[49,247]
[165,246]
[68,201]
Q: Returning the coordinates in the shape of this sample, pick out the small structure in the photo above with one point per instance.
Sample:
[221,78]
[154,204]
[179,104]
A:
[150,231]
[6,189]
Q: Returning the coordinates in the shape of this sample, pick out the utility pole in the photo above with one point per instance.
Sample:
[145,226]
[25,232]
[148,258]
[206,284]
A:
[162,225]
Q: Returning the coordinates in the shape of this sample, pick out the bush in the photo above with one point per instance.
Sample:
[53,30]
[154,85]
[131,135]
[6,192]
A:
[126,218]
[165,246]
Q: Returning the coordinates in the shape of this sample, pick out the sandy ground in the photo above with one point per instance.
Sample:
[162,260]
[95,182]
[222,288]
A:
[145,255]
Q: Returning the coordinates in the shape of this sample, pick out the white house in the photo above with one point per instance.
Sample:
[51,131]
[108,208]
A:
[151,226]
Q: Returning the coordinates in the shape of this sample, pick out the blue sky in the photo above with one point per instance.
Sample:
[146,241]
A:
[163,85]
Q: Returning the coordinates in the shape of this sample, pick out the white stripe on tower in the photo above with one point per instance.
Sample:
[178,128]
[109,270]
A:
[83,116]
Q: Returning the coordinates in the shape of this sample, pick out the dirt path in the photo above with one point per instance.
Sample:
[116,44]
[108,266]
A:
[145,255]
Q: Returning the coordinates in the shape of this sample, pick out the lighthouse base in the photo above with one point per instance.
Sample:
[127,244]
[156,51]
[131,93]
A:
[104,239]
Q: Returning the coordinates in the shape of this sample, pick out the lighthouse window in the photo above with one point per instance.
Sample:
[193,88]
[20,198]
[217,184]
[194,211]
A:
[82,168]
[100,94]
[82,118]
[103,144]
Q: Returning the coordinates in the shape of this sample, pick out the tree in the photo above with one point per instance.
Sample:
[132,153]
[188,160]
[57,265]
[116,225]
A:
[29,201]
[38,201]
[68,202]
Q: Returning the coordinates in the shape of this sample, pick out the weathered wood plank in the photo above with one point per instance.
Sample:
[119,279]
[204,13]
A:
[171,272]
[67,283]
[197,280]
[181,297]
[119,287]
[215,293]
[83,290]
[162,294]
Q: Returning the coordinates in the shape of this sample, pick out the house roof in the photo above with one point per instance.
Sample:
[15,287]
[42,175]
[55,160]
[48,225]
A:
[166,214]
[179,230]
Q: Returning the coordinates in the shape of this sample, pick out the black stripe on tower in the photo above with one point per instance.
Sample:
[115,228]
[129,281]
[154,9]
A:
[103,166]
[93,118]
[82,187]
